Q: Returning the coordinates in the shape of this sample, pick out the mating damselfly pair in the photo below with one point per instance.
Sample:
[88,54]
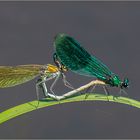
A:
[69,55]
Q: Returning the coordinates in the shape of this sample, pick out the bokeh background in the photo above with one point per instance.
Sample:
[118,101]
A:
[109,30]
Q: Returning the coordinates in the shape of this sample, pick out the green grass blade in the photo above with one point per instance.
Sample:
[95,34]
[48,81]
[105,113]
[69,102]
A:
[30,106]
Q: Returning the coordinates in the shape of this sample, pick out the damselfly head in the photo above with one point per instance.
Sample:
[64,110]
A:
[125,83]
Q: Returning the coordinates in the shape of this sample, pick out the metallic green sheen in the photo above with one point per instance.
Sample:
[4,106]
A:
[77,59]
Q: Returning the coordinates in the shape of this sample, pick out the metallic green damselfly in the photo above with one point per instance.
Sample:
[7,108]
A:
[71,54]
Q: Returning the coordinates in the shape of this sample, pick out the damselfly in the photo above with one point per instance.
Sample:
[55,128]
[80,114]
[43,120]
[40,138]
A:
[15,75]
[73,56]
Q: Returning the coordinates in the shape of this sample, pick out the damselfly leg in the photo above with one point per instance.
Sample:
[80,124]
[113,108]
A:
[106,91]
[66,83]
[40,84]
[62,69]
[93,87]
[88,93]
[122,91]
[53,84]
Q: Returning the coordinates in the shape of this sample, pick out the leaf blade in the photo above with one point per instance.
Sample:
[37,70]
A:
[31,106]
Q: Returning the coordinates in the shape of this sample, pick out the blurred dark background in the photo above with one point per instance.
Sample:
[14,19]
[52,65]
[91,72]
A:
[109,30]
